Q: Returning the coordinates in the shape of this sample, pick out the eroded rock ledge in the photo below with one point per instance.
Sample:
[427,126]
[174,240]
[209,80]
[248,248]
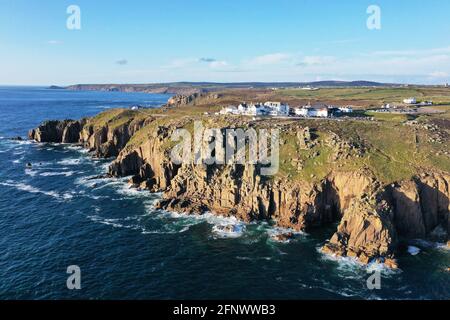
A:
[372,217]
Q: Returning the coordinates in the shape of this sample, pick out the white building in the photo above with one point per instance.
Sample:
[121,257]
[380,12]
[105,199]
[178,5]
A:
[242,108]
[302,112]
[315,112]
[277,108]
[347,109]
[410,101]
[256,110]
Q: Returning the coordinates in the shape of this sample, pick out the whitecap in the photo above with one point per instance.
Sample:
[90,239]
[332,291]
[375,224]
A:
[51,174]
[70,161]
[127,190]
[351,265]
[30,172]
[28,188]
[413,250]
[228,230]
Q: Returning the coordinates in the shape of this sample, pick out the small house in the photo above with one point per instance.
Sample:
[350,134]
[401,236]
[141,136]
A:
[410,101]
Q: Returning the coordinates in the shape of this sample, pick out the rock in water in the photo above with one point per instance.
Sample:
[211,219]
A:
[282,237]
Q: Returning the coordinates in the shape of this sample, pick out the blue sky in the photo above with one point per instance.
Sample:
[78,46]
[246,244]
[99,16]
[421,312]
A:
[225,41]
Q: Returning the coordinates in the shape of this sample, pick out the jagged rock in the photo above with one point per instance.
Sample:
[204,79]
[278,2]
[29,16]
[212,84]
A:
[282,237]
[391,263]
[365,232]
[180,99]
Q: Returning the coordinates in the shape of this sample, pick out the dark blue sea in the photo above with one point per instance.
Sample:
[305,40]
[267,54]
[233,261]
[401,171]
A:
[52,216]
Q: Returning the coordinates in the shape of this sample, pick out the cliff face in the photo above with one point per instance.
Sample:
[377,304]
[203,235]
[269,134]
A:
[372,217]
[67,131]
[104,141]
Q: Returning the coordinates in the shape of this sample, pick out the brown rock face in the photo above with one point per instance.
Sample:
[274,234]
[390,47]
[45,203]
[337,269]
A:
[422,205]
[365,232]
[66,131]
[107,141]
[150,166]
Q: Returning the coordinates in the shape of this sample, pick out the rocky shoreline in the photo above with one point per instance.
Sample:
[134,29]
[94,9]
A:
[374,219]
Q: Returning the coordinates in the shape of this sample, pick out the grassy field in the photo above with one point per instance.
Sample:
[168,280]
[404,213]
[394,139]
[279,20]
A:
[371,96]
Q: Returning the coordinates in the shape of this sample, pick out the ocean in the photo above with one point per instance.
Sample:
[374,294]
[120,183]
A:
[53,216]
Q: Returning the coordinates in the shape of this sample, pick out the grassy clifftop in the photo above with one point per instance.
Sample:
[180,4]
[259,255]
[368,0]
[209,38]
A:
[393,148]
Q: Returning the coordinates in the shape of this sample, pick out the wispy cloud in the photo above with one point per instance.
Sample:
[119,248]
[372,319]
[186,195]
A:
[54,42]
[439,74]
[413,52]
[122,62]
[207,60]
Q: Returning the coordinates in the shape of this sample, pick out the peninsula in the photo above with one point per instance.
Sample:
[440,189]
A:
[383,177]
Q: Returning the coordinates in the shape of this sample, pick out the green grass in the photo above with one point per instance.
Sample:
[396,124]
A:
[373,96]
[388,116]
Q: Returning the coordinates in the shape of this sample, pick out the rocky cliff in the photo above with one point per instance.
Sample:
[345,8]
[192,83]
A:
[373,216]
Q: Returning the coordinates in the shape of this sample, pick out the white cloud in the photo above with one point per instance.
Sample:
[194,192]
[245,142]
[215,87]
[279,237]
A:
[413,52]
[218,64]
[54,42]
[439,74]
[270,59]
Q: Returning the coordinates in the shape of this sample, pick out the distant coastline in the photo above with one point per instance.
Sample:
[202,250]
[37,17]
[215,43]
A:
[198,87]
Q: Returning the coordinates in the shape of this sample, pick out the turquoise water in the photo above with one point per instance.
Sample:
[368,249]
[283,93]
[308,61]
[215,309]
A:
[53,216]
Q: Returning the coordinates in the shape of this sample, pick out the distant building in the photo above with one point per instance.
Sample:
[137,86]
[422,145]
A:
[277,108]
[347,109]
[258,109]
[309,88]
[410,101]
[315,111]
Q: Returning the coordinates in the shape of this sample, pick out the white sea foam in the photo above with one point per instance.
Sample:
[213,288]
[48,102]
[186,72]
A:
[77,148]
[349,266]
[28,188]
[70,161]
[228,230]
[124,189]
[21,142]
[51,174]
[413,250]
[127,223]
[30,172]
[222,227]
